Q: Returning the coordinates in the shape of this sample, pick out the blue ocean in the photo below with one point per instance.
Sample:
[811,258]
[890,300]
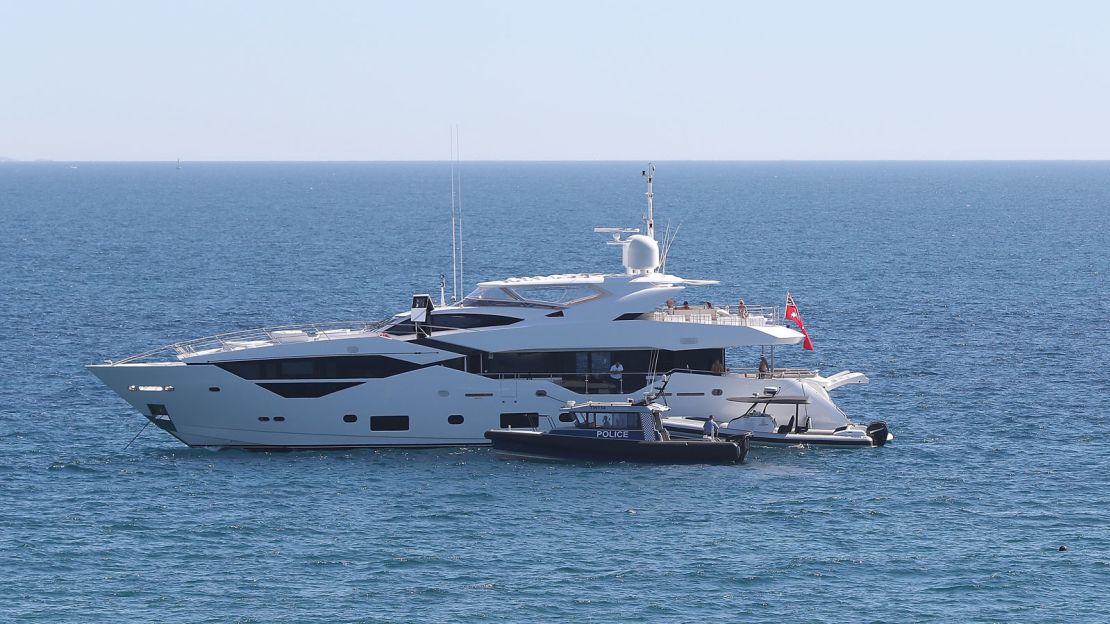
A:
[974,295]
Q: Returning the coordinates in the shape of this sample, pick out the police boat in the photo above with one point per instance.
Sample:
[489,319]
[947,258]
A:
[615,432]
[775,420]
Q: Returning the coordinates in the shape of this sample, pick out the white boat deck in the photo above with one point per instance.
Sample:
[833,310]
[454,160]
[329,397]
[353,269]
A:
[262,337]
[748,316]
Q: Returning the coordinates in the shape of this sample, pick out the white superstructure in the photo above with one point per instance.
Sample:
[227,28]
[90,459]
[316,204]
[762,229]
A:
[509,354]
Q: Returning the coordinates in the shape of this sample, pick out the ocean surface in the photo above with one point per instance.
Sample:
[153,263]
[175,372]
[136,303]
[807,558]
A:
[974,295]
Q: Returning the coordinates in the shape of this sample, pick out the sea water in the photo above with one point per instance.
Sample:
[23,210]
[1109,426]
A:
[973,295]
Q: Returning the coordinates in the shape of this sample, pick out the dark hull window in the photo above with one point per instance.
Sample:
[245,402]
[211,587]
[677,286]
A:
[308,390]
[337,367]
[389,423]
[454,321]
[520,419]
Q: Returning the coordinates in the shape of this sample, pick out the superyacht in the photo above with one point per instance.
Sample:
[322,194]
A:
[508,355]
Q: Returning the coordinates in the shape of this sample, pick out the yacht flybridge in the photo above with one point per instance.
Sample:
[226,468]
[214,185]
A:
[510,354]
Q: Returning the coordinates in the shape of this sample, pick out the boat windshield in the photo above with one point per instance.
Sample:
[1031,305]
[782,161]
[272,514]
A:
[569,294]
[607,420]
[550,296]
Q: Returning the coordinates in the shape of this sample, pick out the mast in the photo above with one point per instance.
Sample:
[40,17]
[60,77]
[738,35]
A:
[458,167]
[454,227]
[649,220]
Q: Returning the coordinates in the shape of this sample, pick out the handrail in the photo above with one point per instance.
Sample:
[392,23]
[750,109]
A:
[226,341]
[748,316]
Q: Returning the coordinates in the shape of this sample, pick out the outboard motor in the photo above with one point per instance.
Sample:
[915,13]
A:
[878,432]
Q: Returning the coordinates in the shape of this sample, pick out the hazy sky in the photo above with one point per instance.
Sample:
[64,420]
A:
[228,80]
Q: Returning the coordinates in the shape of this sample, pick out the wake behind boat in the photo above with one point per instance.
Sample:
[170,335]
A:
[610,431]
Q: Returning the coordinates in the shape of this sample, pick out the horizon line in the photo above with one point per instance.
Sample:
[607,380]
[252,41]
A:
[5,160]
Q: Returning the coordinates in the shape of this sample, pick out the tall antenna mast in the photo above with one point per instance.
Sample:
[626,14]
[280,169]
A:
[462,280]
[454,227]
[649,220]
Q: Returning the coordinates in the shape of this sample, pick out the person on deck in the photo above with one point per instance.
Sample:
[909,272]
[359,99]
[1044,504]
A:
[685,305]
[764,368]
[742,310]
[710,428]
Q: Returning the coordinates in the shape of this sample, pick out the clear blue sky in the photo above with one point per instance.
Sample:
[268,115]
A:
[253,80]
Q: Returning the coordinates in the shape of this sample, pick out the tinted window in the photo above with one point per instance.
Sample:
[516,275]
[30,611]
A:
[520,419]
[455,321]
[389,423]
[561,294]
[338,367]
[311,390]
[455,419]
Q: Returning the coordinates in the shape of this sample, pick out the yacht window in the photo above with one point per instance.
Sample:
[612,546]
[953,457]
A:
[337,367]
[520,419]
[389,423]
[480,295]
[455,419]
[308,390]
[454,321]
[568,294]
[294,369]
[350,418]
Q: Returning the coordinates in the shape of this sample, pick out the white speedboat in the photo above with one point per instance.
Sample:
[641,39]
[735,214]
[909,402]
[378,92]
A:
[510,353]
[787,426]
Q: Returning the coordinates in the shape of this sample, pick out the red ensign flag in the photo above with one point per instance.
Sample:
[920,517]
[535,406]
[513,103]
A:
[793,315]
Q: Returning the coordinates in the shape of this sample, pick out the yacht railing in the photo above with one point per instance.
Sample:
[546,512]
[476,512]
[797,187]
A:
[636,381]
[747,316]
[778,373]
[261,337]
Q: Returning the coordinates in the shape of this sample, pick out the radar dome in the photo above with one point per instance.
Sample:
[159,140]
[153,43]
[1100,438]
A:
[641,254]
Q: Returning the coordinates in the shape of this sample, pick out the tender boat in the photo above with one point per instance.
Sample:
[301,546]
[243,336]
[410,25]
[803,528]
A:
[614,431]
[765,429]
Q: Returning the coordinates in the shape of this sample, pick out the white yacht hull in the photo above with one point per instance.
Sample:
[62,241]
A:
[243,414]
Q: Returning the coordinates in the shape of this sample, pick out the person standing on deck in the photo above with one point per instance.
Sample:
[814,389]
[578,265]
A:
[764,368]
[710,428]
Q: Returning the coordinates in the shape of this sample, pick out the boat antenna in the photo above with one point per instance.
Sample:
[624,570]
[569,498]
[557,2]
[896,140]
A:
[668,239]
[649,219]
[442,290]
[454,227]
[458,167]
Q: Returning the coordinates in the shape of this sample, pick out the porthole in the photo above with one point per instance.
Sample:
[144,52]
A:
[350,418]
[541,392]
[214,389]
[264,418]
[717,392]
[279,419]
[455,419]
